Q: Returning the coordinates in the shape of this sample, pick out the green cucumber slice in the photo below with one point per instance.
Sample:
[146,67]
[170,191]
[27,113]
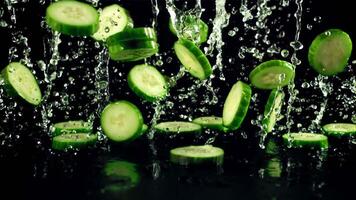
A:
[211,122]
[177,127]
[147,82]
[329,52]
[73,141]
[236,105]
[72,18]
[113,19]
[306,140]
[192,155]
[340,129]
[195,30]
[19,81]
[193,59]
[272,74]
[141,34]
[121,121]
[272,110]
[79,126]
[129,51]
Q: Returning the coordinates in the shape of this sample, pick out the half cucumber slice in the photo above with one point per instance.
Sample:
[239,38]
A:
[113,19]
[340,129]
[19,81]
[272,110]
[72,18]
[73,141]
[147,82]
[272,74]
[176,127]
[192,155]
[193,59]
[306,140]
[236,105]
[329,52]
[121,121]
[79,126]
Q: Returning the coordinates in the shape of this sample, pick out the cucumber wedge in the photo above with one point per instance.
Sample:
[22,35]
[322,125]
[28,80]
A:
[193,59]
[195,30]
[19,81]
[211,122]
[134,50]
[272,74]
[236,105]
[113,19]
[330,51]
[71,127]
[176,127]
[306,140]
[147,82]
[121,121]
[193,155]
[73,141]
[272,110]
[72,18]
[340,129]
[133,34]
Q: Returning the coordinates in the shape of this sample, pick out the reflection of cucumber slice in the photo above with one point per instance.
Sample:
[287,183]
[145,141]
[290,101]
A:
[301,140]
[272,74]
[20,81]
[121,121]
[128,51]
[329,52]
[71,127]
[177,127]
[340,129]
[197,155]
[113,19]
[272,109]
[211,122]
[193,59]
[147,82]
[72,18]
[73,141]
[141,34]
[194,30]
[236,105]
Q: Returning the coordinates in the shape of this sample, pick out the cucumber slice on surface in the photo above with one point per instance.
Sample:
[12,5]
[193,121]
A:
[272,74]
[73,141]
[193,59]
[211,122]
[192,155]
[195,30]
[72,18]
[272,110]
[236,105]
[121,121]
[177,127]
[71,127]
[141,34]
[113,19]
[19,81]
[329,52]
[340,129]
[301,140]
[133,50]
[147,82]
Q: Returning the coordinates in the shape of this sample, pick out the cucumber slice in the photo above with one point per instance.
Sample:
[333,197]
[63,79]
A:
[340,129]
[129,51]
[71,127]
[193,59]
[19,81]
[141,34]
[306,140]
[113,19]
[329,52]
[144,128]
[121,121]
[236,105]
[177,127]
[147,82]
[73,141]
[72,18]
[195,30]
[272,74]
[272,110]
[192,155]
[211,122]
